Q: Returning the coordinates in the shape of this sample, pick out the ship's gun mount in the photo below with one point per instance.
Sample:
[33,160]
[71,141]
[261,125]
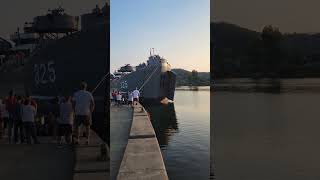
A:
[126,69]
[97,19]
[56,11]
[56,21]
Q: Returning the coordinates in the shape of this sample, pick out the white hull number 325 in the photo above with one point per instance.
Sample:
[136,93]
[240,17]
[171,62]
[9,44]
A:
[44,73]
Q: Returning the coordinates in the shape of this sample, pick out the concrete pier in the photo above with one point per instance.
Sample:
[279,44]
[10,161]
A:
[120,123]
[90,162]
[142,158]
[36,162]
[50,162]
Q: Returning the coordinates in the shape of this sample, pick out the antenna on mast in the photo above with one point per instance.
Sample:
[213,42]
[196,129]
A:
[153,51]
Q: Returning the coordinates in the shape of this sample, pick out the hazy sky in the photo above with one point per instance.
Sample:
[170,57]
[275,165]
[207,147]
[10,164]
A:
[288,15]
[14,13]
[179,30]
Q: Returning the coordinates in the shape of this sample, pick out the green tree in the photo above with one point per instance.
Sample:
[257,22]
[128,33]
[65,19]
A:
[193,78]
[271,38]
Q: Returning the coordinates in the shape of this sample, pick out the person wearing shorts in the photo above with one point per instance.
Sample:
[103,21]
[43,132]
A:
[66,120]
[136,94]
[84,106]
[119,98]
[130,98]
[28,113]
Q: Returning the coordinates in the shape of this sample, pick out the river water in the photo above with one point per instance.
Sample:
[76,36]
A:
[266,134]
[183,132]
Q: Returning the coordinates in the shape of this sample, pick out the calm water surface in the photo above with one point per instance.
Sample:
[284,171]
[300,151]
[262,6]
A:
[264,135]
[183,132]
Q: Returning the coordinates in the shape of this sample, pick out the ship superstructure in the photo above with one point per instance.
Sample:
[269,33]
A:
[154,79]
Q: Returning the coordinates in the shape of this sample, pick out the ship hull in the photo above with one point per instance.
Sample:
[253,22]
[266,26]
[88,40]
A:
[58,68]
[154,84]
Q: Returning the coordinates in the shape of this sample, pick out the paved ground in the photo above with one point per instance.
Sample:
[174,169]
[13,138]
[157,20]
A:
[120,123]
[36,162]
[88,162]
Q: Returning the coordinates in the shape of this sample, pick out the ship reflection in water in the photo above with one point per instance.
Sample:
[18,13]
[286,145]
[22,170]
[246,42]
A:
[164,121]
[183,130]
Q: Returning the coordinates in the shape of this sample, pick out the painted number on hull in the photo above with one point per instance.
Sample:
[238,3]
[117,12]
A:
[123,85]
[44,73]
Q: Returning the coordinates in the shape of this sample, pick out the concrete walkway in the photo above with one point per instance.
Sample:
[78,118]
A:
[37,162]
[89,164]
[120,121]
[47,161]
[142,159]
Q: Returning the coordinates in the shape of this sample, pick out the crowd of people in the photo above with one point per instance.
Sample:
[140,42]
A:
[19,120]
[124,98]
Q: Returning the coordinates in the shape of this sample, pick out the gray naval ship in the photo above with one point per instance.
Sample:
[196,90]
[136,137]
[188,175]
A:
[154,79]
[61,55]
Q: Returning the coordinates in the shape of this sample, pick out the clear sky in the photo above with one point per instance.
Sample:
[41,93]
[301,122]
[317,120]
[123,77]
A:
[179,30]
[288,15]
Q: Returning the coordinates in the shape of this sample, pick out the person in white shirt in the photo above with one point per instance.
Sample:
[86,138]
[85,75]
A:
[119,98]
[130,98]
[66,120]
[28,113]
[84,106]
[136,94]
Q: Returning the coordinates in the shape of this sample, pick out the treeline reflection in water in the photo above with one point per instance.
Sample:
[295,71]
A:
[267,85]
[265,130]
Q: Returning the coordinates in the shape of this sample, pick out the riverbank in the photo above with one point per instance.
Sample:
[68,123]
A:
[265,85]
[193,88]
